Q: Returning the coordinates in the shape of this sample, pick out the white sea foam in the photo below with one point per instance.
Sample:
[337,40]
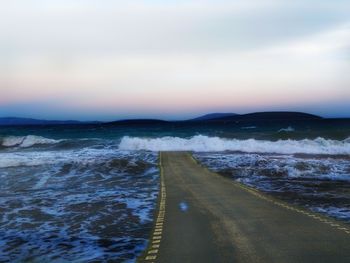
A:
[32,158]
[288,129]
[202,143]
[39,187]
[26,141]
[85,156]
[253,165]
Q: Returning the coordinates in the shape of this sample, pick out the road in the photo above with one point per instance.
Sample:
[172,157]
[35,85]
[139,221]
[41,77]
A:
[204,217]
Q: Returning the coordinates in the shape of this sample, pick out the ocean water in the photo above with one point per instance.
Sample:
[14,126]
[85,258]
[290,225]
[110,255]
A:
[88,193]
[74,201]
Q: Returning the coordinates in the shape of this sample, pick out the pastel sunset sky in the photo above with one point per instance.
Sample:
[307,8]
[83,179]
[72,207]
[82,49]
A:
[112,59]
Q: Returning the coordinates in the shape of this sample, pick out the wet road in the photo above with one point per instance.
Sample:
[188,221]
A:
[204,217]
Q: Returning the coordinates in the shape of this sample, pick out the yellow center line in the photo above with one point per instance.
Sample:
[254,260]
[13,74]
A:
[153,249]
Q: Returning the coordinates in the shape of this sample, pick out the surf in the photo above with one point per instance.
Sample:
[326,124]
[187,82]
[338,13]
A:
[202,143]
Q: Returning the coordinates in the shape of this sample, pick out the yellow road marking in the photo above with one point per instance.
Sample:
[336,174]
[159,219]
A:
[279,203]
[157,232]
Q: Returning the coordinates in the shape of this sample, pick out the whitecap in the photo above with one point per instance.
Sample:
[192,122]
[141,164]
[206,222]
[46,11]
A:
[26,141]
[288,129]
[200,143]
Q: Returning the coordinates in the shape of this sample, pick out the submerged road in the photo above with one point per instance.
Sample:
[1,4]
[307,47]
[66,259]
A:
[204,217]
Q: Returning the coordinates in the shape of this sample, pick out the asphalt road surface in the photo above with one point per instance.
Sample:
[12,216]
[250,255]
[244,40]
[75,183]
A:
[204,217]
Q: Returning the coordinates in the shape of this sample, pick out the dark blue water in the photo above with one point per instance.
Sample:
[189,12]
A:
[338,129]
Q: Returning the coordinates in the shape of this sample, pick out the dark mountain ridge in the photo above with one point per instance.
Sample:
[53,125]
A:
[28,121]
[270,116]
[211,116]
[208,118]
[137,121]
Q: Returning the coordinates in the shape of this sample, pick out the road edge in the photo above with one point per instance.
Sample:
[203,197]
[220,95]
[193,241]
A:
[333,222]
[151,252]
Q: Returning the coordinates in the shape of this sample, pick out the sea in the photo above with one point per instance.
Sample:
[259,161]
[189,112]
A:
[87,193]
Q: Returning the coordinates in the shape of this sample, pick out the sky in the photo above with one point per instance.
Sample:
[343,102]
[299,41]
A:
[113,59]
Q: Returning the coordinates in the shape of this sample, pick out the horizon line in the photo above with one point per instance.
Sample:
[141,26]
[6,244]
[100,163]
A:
[135,117]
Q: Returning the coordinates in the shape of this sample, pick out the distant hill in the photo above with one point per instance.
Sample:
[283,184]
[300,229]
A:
[137,122]
[8,121]
[270,116]
[224,118]
[211,116]
[208,118]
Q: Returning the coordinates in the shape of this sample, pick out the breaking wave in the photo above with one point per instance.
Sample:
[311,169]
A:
[25,141]
[202,143]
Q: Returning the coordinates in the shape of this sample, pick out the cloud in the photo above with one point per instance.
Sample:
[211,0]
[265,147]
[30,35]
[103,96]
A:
[70,27]
[159,55]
